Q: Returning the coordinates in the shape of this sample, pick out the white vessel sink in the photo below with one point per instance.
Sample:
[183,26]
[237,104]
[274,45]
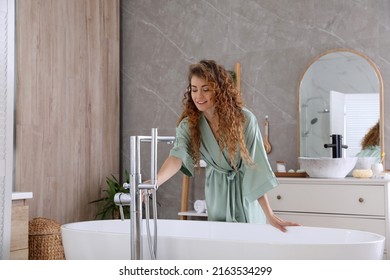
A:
[327,167]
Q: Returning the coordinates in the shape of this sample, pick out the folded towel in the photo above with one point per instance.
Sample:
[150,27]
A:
[200,206]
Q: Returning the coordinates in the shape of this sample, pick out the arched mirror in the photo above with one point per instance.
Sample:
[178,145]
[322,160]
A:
[341,92]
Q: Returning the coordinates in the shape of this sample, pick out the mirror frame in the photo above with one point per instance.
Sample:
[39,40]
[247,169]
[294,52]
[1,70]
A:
[381,96]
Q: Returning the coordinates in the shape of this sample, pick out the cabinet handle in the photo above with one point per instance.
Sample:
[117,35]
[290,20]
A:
[361,200]
[279,197]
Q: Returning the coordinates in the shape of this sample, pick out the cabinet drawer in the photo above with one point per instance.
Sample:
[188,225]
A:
[337,199]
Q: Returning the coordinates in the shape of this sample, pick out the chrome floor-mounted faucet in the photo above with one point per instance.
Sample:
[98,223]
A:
[138,189]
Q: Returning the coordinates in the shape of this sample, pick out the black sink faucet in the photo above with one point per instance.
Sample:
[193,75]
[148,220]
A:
[336,145]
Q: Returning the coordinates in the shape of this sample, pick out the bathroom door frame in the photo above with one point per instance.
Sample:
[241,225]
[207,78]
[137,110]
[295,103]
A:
[7,163]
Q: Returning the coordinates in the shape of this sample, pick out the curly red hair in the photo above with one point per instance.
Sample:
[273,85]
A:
[228,110]
[372,137]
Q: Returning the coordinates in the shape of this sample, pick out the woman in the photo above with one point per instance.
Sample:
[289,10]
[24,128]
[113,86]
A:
[215,127]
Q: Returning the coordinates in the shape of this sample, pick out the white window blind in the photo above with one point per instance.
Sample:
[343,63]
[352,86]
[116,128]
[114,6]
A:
[362,112]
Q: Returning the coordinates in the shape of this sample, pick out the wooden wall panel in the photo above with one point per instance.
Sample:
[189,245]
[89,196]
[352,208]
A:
[67,105]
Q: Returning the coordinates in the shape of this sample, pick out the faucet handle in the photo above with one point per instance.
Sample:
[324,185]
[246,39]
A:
[121,213]
[329,145]
[122,199]
[149,186]
[126,186]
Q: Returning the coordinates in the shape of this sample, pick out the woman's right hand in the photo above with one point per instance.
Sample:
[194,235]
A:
[147,193]
[169,168]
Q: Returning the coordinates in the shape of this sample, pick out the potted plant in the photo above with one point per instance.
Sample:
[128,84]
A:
[107,208]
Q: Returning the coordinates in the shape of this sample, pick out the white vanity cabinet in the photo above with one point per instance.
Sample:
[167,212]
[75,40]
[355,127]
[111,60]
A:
[360,204]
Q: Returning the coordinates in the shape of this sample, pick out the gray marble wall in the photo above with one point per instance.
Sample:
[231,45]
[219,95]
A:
[273,41]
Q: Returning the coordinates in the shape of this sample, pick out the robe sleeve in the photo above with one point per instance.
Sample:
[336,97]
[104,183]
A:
[181,148]
[260,178]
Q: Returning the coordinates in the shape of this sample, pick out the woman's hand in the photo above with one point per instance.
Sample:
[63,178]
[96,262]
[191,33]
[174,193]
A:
[169,168]
[279,223]
[272,219]
[147,193]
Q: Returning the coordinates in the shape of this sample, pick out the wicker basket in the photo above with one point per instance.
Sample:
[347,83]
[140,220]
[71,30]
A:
[45,242]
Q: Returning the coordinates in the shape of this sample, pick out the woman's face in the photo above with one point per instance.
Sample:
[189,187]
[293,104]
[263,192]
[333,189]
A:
[202,95]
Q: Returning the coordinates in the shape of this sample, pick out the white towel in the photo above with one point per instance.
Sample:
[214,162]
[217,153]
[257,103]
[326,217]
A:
[200,206]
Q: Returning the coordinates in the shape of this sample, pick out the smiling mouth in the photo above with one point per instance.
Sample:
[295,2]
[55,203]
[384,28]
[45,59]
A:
[201,102]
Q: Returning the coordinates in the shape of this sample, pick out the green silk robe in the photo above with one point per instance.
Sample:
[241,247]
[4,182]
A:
[230,196]
[371,151]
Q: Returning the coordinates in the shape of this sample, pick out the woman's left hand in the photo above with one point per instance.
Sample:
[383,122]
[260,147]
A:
[279,223]
[272,219]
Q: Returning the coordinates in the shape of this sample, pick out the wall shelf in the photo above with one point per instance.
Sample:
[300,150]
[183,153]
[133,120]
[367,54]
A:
[192,214]
[184,212]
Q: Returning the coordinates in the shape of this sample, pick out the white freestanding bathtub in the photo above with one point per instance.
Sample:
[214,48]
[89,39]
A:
[204,240]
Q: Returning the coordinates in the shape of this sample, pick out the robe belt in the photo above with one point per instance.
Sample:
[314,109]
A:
[231,174]
[231,195]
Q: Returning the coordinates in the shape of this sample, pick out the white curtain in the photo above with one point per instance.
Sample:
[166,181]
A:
[7,78]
